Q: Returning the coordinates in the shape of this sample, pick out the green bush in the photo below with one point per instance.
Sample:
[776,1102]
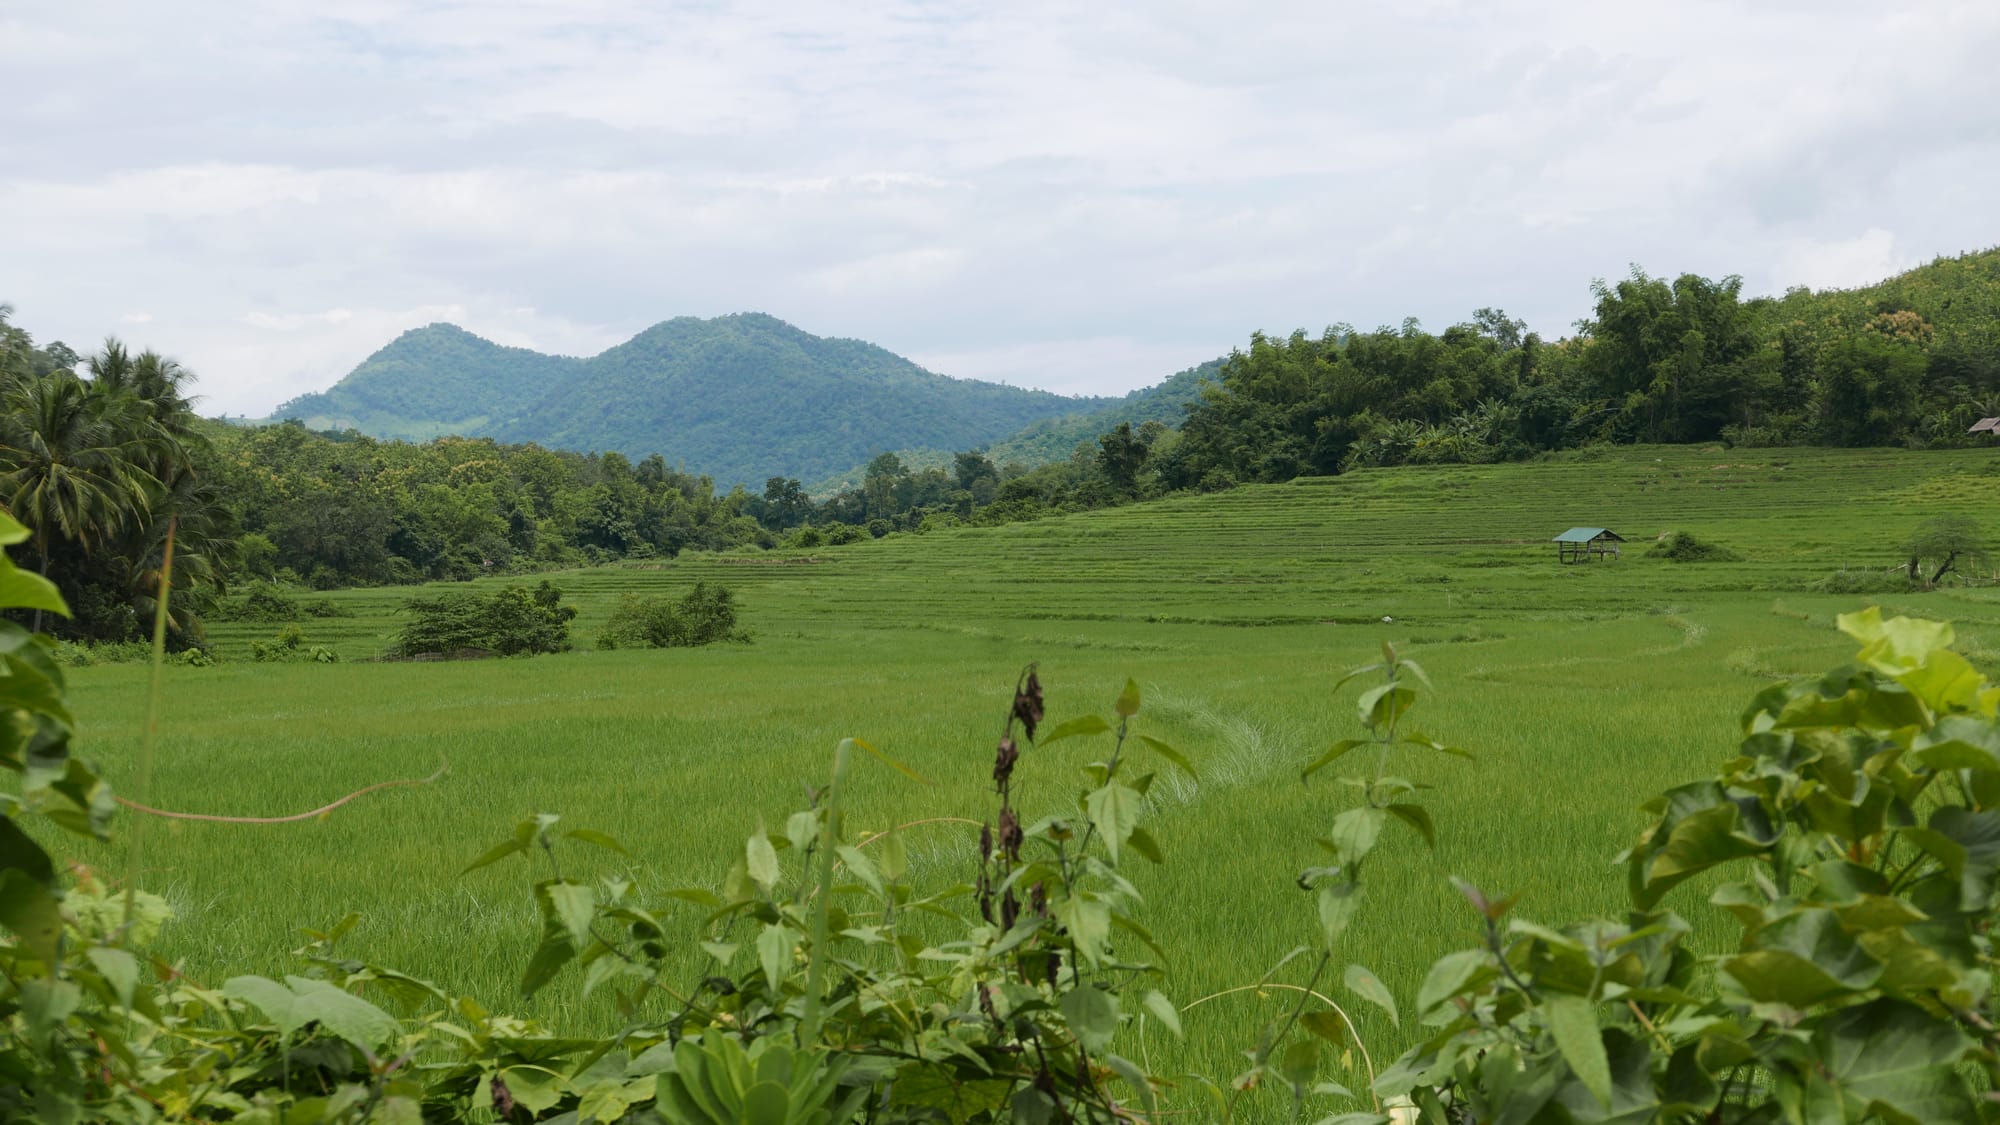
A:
[841,534]
[514,621]
[1865,582]
[266,601]
[1683,547]
[704,615]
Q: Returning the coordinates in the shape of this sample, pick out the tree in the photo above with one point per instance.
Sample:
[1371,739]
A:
[1121,454]
[1943,543]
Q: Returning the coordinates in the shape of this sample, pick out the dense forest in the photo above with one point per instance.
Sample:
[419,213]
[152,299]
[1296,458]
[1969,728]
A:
[99,453]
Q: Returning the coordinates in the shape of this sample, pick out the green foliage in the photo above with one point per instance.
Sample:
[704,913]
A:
[265,601]
[1684,547]
[704,615]
[100,466]
[1851,841]
[1944,543]
[512,621]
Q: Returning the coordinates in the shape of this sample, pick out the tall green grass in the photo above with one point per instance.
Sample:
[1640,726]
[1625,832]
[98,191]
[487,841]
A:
[1583,689]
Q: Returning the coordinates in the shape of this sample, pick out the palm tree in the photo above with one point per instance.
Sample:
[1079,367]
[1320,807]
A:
[72,467]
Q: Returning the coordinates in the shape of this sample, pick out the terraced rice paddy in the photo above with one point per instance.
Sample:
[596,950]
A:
[1583,690]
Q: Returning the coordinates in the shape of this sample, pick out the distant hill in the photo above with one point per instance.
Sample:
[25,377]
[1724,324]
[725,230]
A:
[433,381]
[740,398]
[1052,439]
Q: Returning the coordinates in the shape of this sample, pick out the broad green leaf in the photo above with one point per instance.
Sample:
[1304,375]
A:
[1092,1015]
[1299,1062]
[1959,742]
[1417,817]
[1802,958]
[1354,834]
[1573,1021]
[1454,974]
[1337,903]
[1128,700]
[862,867]
[1366,985]
[1382,705]
[572,905]
[550,956]
[278,1003]
[1088,923]
[13,532]
[802,828]
[22,589]
[762,860]
[1332,755]
[1080,726]
[1162,1009]
[119,968]
[893,857]
[342,1013]
[1895,645]
[19,852]
[1327,1025]
[775,949]
[1888,1058]
[1115,810]
[31,913]
[1169,753]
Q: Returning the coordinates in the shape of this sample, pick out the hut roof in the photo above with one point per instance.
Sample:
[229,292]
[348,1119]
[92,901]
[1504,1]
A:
[1985,425]
[1587,534]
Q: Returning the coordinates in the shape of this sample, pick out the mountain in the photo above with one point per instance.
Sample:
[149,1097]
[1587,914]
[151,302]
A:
[1053,439]
[740,397]
[434,381]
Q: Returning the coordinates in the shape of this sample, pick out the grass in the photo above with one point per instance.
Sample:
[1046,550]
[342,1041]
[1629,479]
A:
[1583,690]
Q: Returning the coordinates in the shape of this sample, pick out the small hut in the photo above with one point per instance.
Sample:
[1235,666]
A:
[1986,426]
[1582,544]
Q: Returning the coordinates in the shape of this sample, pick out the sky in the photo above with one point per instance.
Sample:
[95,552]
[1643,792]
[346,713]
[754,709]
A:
[1079,197]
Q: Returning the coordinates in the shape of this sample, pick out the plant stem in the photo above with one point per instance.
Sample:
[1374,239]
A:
[829,838]
[135,848]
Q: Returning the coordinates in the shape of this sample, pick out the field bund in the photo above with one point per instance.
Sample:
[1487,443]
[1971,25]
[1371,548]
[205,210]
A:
[1583,689]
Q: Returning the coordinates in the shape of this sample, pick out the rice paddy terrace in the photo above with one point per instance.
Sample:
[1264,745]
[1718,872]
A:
[1583,689]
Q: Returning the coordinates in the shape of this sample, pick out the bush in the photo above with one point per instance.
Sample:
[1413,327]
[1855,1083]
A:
[266,601]
[291,646]
[77,654]
[806,538]
[1865,582]
[704,615]
[510,622]
[1683,547]
[326,607]
[841,534]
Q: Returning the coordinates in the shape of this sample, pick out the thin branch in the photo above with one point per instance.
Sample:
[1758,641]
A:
[443,768]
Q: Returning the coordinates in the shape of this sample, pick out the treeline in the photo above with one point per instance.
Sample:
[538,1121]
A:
[1912,362]
[97,453]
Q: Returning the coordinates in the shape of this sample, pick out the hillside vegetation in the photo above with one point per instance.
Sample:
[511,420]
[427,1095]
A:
[737,398]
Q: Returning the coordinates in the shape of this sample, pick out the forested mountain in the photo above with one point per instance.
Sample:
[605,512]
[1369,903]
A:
[1055,439]
[433,381]
[738,398]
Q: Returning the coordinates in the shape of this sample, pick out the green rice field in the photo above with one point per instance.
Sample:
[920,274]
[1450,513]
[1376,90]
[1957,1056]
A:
[1582,689]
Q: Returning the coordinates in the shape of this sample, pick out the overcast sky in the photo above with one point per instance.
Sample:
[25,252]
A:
[1080,197]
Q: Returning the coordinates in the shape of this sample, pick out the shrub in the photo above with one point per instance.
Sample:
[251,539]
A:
[807,538]
[841,534]
[1683,547]
[1864,582]
[266,601]
[510,622]
[704,615]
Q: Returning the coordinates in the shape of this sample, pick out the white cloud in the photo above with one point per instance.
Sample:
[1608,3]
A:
[1844,263]
[1057,195]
